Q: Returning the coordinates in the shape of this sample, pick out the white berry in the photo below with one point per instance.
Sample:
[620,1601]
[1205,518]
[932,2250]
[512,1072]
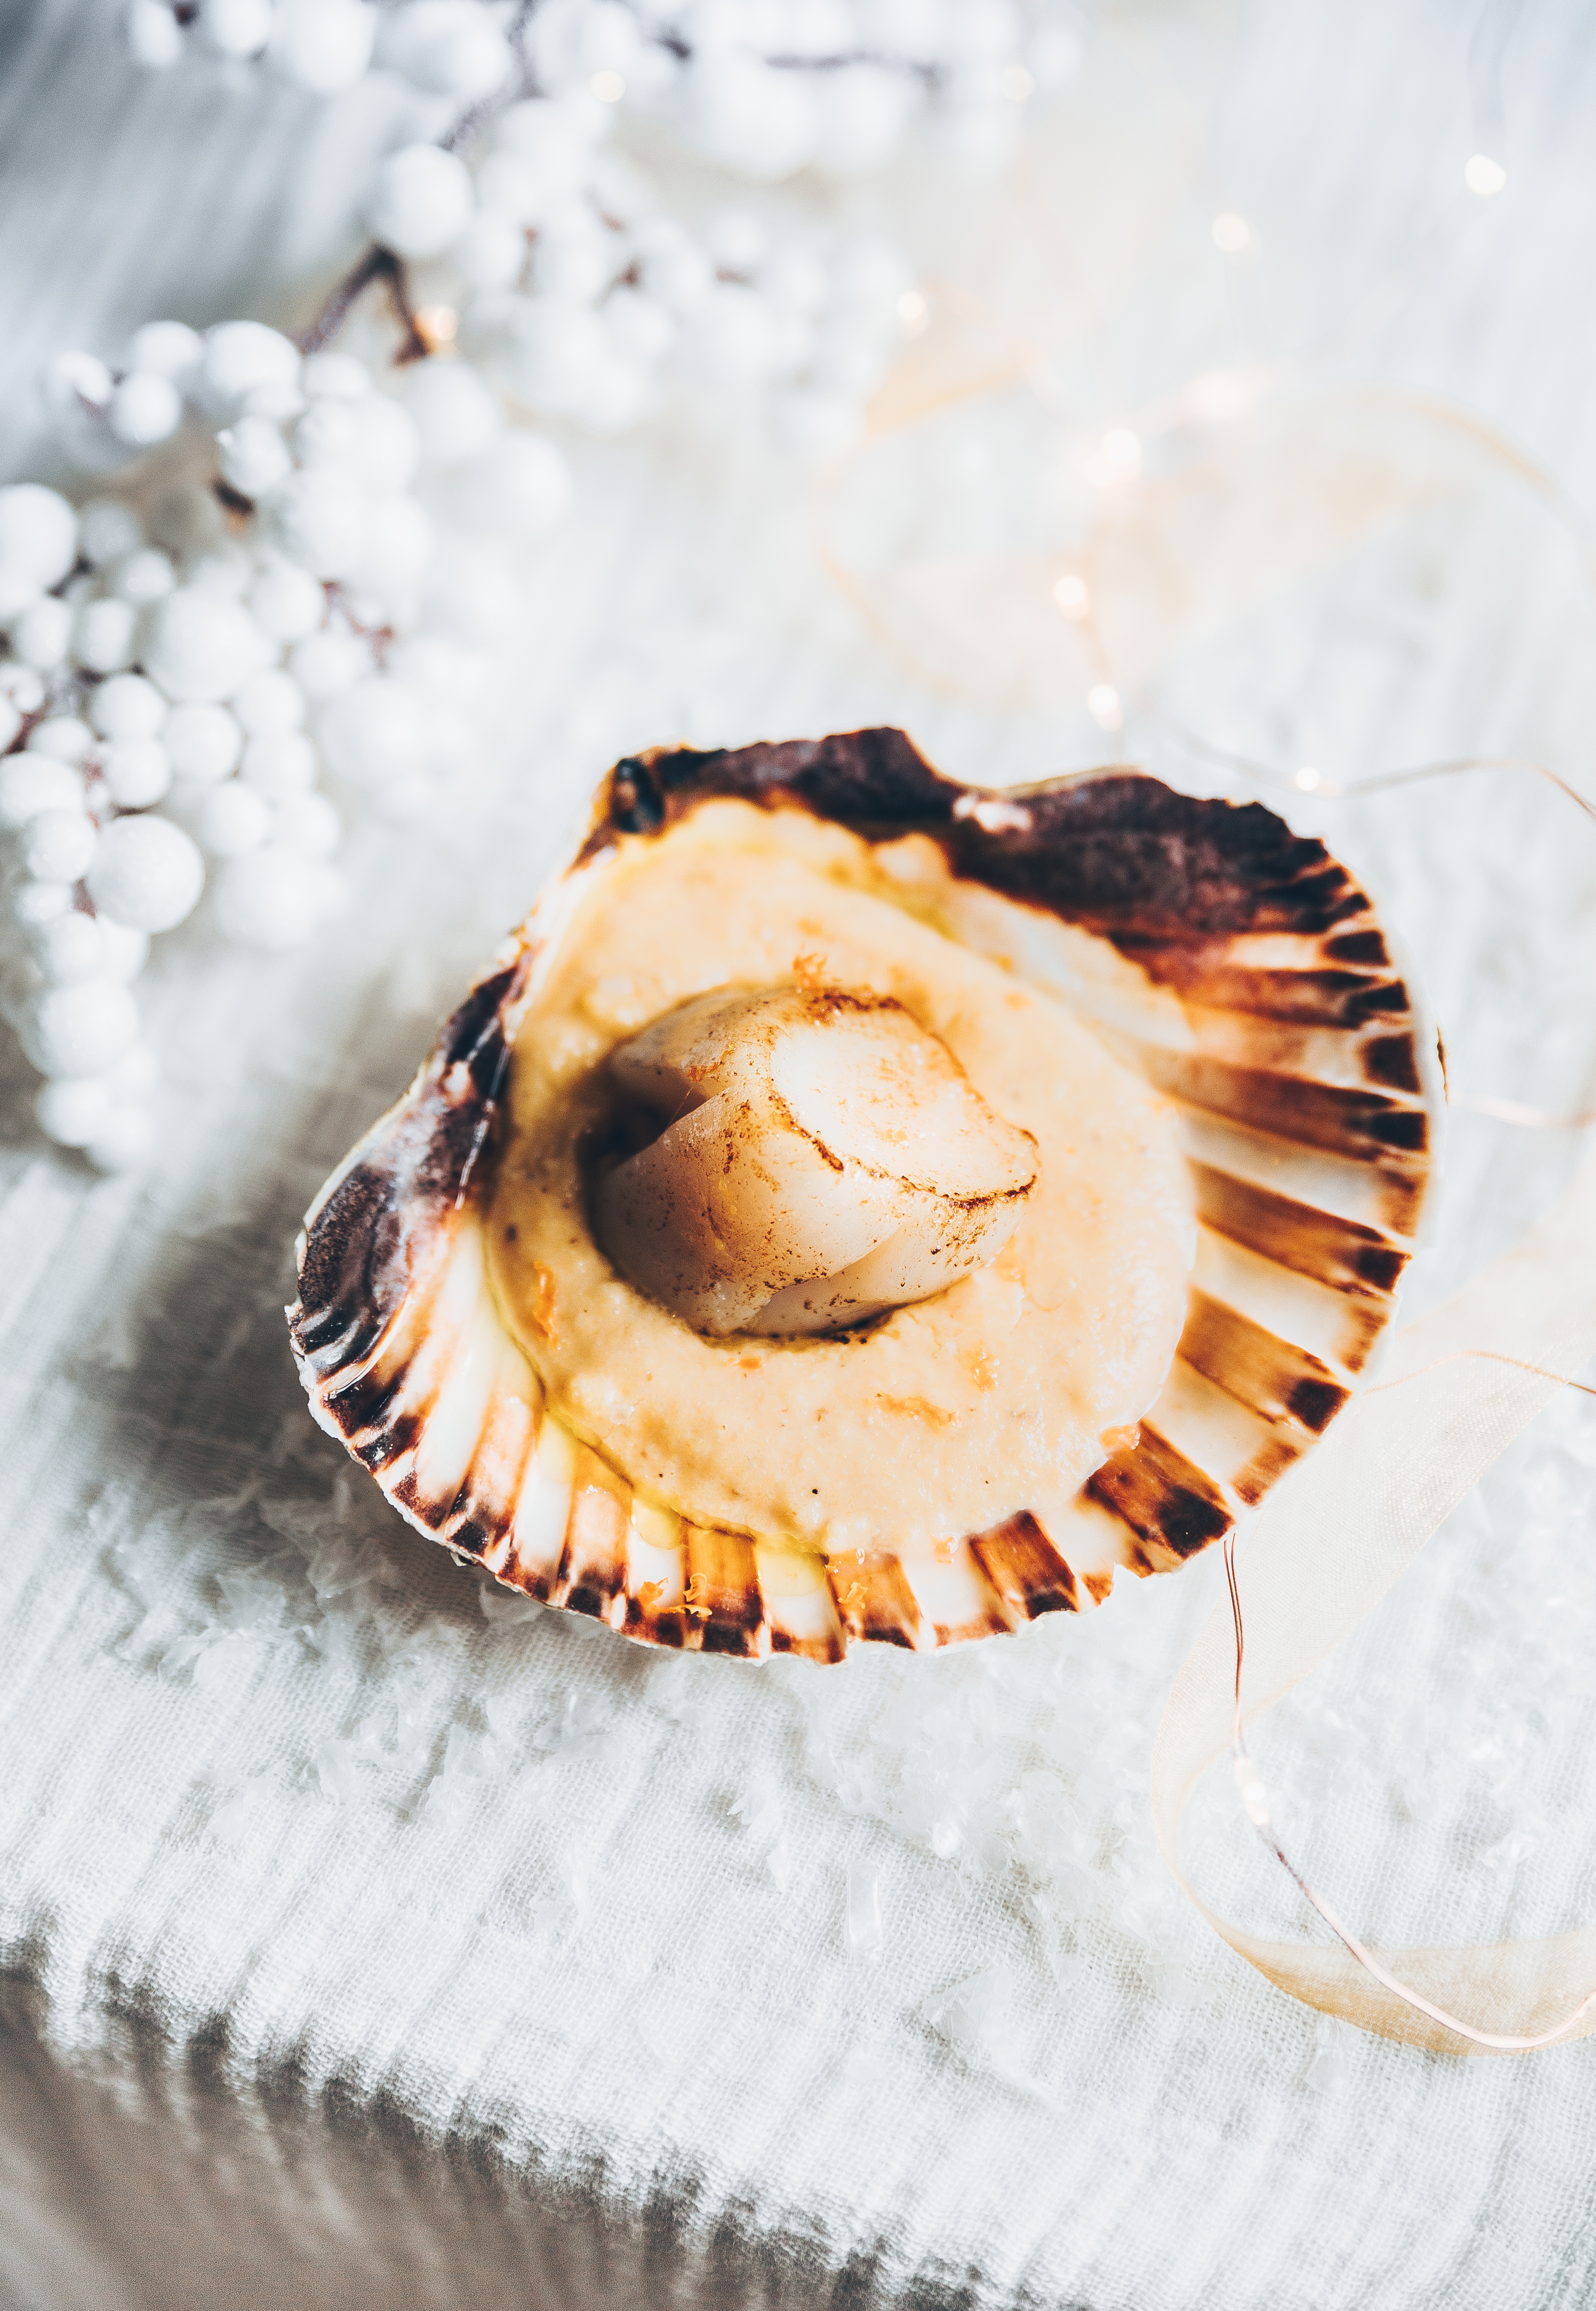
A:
[124,1140]
[269,703]
[863,115]
[62,735]
[232,820]
[253,455]
[202,646]
[34,904]
[77,389]
[236,28]
[82,1030]
[124,951]
[241,355]
[639,329]
[386,447]
[128,706]
[166,349]
[420,199]
[553,138]
[33,783]
[735,240]
[102,635]
[454,413]
[226,569]
[70,1111]
[58,845]
[448,48]
[146,874]
[155,40]
[319,518]
[145,577]
[70,946]
[286,602]
[398,547]
[41,636]
[38,532]
[675,272]
[22,685]
[144,409]
[375,441]
[135,1075]
[337,377]
[203,743]
[283,764]
[108,531]
[137,771]
[322,45]
[278,400]
[18,587]
[325,663]
[491,252]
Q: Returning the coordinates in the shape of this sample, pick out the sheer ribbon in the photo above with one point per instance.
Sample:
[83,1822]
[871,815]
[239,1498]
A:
[1334,1537]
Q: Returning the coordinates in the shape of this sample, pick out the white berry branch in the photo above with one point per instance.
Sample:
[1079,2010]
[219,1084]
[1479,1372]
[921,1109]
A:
[301,564]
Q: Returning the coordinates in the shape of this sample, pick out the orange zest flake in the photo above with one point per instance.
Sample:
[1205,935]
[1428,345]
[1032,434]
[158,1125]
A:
[650,1594]
[854,1601]
[942,1551]
[1122,1440]
[699,1600]
[809,971]
[543,1305]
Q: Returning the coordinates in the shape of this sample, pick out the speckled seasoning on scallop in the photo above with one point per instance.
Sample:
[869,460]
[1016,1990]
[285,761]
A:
[860,1207]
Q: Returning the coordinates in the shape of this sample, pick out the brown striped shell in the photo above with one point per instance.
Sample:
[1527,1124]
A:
[1267,1005]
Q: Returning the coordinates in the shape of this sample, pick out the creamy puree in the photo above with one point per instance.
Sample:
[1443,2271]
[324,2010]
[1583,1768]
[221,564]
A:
[1003,1392]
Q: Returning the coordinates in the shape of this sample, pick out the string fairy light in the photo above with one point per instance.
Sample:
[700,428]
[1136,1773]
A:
[1255,1798]
[1483,177]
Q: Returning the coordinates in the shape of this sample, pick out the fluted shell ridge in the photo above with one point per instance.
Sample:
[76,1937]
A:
[1307,1081]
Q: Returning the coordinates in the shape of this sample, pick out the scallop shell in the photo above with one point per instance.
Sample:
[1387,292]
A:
[1268,1005]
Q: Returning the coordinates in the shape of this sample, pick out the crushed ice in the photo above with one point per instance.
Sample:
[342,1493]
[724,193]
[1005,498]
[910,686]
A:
[980,2020]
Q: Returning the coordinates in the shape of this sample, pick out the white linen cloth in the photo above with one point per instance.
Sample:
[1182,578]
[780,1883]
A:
[359,1949]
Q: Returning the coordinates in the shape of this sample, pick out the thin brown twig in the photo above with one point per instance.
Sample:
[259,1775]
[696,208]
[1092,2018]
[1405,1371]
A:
[376,264]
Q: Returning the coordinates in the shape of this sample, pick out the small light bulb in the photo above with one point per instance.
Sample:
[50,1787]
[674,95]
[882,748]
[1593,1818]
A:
[1071,594]
[1116,458]
[1016,83]
[1307,777]
[1483,177]
[1232,233]
[1102,703]
[608,87]
[438,323]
